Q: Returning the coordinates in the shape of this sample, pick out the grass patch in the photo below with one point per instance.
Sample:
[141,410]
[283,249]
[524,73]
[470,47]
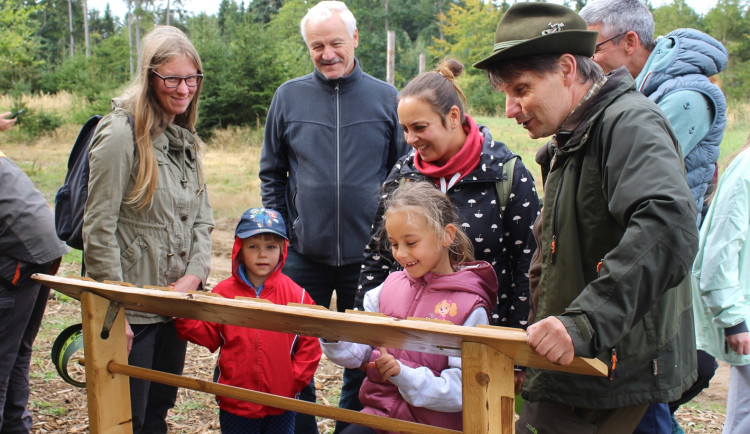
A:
[47,408]
[711,406]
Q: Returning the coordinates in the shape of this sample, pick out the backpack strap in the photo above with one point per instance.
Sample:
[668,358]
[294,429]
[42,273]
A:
[504,186]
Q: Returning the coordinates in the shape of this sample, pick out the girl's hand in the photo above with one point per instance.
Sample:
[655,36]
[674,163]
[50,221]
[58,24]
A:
[186,283]
[386,364]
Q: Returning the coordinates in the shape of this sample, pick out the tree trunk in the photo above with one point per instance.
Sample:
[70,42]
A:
[138,26]
[70,21]
[167,18]
[86,27]
[130,37]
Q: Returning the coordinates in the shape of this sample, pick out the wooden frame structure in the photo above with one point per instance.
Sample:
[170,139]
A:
[488,354]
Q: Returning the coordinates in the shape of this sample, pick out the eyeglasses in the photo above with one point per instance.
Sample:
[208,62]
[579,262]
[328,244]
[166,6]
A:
[172,81]
[599,45]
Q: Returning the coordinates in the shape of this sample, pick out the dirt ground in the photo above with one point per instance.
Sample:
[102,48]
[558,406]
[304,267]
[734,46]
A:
[58,407]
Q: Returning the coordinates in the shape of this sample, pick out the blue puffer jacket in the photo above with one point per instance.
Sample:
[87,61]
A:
[683,61]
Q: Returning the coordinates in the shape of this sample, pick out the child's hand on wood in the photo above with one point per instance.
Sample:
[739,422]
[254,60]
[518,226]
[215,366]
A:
[386,364]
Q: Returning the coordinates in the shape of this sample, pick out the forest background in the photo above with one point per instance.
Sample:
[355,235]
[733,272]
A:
[61,69]
[249,48]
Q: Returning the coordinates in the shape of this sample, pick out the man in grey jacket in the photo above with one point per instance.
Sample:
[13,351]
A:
[331,138]
[28,245]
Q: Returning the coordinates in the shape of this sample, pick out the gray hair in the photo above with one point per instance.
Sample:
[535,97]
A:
[324,10]
[621,16]
[587,70]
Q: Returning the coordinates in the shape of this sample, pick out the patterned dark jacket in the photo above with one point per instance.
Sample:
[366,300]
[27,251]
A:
[502,238]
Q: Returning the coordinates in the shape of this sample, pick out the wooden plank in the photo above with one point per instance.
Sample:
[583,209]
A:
[434,320]
[292,404]
[160,288]
[253,299]
[365,312]
[422,336]
[108,395]
[308,306]
[488,391]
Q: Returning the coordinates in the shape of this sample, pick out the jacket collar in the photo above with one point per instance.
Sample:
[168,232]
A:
[618,82]
[345,83]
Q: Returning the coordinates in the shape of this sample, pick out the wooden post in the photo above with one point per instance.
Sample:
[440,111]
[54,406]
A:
[108,394]
[391,58]
[488,393]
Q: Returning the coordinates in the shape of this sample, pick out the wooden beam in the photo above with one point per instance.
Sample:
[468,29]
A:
[429,337]
[270,400]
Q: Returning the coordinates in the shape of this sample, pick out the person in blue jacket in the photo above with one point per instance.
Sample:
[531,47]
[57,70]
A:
[721,285]
[330,139]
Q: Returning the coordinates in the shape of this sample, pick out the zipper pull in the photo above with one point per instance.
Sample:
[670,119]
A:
[613,364]
[553,249]
[598,266]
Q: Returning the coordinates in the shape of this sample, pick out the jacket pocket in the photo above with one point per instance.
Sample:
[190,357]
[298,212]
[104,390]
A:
[133,254]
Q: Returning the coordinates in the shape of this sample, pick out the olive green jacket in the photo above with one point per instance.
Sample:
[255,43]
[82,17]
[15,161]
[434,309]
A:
[622,219]
[159,243]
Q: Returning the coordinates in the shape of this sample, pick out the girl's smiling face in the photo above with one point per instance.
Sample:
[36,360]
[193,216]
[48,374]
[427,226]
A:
[415,245]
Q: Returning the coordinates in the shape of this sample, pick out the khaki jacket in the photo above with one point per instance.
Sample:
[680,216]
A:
[159,243]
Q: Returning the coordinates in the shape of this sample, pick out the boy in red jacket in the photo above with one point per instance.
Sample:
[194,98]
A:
[265,361]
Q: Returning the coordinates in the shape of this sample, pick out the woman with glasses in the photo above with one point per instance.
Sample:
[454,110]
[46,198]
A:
[147,219]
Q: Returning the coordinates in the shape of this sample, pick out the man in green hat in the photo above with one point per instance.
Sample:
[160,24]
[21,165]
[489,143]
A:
[618,233]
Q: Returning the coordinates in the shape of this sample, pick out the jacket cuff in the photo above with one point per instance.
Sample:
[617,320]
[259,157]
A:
[579,329]
[739,328]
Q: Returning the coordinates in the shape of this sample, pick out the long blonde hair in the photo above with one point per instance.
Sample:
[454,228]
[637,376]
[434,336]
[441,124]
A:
[158,47]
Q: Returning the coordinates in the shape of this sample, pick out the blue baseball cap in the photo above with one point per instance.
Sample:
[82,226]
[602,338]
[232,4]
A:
[260,221]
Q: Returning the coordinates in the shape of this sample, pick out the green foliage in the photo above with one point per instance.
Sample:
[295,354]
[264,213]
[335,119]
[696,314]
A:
[32,123]
[250,47]
[481,97]
[469,32]
[18,44]
[673,16]
[241,83]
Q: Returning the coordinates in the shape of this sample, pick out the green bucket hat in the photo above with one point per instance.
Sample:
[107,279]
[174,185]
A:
[529,29]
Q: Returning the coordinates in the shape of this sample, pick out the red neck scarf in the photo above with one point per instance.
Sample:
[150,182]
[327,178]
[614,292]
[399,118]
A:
[462,163]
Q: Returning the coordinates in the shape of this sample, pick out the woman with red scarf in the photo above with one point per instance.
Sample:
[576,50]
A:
[461,158]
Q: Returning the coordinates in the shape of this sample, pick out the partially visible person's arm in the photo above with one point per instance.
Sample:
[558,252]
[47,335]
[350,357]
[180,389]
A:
[720,262]
[6,123]
[110,163]
[306,355]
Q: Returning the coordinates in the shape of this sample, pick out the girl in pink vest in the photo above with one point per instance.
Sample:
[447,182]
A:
[440,280]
